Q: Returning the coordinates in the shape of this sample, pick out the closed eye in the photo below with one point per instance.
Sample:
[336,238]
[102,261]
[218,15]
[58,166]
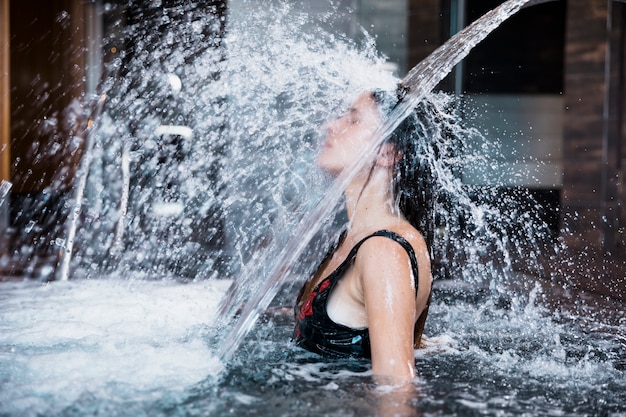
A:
[353,116]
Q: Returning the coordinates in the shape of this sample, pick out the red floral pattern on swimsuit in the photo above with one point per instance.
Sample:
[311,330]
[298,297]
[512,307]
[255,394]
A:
[307,307]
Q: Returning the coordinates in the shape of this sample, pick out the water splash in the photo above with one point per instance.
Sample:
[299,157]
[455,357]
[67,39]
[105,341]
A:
[419,82]
[201,207]
[71,341]
[243,183]
[5,187]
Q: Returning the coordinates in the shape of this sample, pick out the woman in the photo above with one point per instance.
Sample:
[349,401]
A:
[370,296]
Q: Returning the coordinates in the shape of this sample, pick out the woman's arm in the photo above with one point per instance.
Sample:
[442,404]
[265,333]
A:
[389,297]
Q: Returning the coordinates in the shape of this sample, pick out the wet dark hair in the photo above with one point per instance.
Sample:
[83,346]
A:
[414,173]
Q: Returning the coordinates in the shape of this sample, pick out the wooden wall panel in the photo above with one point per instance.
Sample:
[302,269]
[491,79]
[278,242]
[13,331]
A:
[424,29]
[47,68]
[593,194]
[585,93]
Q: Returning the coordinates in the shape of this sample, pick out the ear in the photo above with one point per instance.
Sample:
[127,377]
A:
[387,156]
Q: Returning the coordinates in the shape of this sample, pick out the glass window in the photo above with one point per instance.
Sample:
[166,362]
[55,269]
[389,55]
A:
[523,56]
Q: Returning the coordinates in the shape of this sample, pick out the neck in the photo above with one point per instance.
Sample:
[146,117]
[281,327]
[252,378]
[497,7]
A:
[369,202]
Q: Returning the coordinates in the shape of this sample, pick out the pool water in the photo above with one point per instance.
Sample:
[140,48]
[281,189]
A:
[489,353]
[118,347]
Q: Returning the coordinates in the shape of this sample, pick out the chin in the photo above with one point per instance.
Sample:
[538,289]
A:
[326,166]
[327,170]
[322,162]
[328,163]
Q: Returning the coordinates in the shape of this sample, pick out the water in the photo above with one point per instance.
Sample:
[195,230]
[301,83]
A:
[169,220]
[417,83]
[119,347]
[105,339]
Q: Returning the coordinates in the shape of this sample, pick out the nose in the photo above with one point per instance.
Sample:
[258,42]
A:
[332,127]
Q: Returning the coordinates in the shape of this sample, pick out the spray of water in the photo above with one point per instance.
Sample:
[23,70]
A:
[200,205]
[192,171]
[195,173]
[419,82]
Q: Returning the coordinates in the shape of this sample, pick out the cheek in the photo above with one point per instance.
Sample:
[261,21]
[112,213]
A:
[350,147]
[357,137]
[345,146]
[361,141]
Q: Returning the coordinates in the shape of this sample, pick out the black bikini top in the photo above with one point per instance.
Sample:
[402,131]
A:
[314,329]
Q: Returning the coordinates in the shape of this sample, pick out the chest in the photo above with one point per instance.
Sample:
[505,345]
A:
[339,265]
[343,285]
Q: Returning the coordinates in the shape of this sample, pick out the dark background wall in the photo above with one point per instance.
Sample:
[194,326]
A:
[47,70]
[594,149]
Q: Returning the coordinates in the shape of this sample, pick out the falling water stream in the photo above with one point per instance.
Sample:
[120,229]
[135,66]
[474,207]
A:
[202,210]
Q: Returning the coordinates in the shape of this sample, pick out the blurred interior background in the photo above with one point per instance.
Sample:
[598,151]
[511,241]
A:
[549,84]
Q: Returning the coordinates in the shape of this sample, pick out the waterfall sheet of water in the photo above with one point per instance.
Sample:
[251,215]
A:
[418,82]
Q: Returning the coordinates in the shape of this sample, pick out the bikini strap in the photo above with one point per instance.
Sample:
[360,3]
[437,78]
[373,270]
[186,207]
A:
[398,239]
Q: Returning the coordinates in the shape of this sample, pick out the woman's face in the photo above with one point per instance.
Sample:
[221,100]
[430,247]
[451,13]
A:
[347,135]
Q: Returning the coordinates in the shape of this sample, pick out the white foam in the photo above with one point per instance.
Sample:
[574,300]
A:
[108,338]
[436,345]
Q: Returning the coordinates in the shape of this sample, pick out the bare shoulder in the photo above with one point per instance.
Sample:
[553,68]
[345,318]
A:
[383,264]
[417,242]
[381,251]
